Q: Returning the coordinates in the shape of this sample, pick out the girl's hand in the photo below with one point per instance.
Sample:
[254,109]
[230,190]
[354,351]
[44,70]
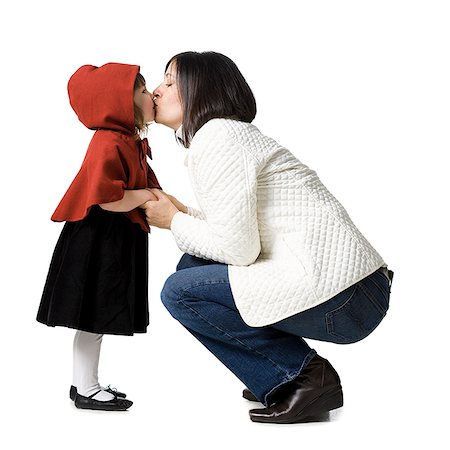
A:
[160,212]
[152,196]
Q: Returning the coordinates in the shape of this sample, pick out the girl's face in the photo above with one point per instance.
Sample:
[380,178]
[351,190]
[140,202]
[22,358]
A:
[144,100]
[168,107]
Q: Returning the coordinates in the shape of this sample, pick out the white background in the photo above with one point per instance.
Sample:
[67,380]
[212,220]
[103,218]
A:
[358,90]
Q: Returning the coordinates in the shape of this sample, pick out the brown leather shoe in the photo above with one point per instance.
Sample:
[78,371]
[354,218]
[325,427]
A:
[248,395]
[310,396]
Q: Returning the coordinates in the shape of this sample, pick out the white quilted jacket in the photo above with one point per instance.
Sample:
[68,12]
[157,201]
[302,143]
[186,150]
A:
[289,244]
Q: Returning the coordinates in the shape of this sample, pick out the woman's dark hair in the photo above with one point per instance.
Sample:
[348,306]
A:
[210,86]
[139,123]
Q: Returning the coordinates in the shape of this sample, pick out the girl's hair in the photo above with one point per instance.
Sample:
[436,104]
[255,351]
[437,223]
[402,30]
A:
[210,86]
[140,125]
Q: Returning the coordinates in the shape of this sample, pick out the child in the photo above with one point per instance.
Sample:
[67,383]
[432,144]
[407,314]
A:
[97,281]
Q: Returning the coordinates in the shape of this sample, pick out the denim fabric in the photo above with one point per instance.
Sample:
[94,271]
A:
[199,296]
[346,318]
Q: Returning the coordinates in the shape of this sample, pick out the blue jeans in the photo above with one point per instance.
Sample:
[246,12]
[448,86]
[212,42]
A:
[198,295]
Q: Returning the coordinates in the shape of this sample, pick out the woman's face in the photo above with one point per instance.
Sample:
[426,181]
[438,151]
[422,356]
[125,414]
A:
[167,100]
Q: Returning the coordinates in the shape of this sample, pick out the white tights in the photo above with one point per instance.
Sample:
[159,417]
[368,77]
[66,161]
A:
[86,355]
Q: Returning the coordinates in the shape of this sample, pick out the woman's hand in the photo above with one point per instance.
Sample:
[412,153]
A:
[160,212]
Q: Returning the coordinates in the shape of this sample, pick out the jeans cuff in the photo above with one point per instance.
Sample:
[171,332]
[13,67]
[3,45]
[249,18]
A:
[305,362]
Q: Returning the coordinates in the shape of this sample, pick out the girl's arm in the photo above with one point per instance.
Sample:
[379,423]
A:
[131,200]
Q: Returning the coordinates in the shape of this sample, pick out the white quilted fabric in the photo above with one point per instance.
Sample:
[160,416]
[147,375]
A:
[289,243]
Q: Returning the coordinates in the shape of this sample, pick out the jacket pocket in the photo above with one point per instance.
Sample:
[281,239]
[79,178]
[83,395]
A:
[295,245]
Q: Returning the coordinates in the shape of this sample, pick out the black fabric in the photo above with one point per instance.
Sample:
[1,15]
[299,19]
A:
[98,276]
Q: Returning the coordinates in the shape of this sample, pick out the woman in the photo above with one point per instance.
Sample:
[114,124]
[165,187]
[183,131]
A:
[271,258]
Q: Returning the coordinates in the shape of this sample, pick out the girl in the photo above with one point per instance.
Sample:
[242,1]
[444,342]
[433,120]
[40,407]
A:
[97,281]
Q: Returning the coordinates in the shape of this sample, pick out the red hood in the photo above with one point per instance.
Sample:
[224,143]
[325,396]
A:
[103,97]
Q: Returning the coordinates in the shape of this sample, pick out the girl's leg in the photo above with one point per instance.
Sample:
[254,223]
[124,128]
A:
[86,355]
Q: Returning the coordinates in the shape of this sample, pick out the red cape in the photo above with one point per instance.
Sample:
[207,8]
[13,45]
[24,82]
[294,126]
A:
[102,97]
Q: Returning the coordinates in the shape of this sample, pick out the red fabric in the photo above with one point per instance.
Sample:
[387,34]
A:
[102,97]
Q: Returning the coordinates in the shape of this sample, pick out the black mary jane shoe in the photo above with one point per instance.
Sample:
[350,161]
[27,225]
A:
[113,391]
[116,404]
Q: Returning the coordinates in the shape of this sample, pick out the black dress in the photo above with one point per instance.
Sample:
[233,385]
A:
[98,276]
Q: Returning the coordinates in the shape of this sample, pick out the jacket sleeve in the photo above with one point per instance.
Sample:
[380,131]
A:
[224,179]
[195,213]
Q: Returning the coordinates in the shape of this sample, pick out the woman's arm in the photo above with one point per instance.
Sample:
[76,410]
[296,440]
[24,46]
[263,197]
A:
[225,182]
[180,206]
[186,209]
[131,200]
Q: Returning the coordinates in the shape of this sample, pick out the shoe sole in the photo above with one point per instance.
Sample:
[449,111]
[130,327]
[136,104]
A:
[316,411]
[99,408]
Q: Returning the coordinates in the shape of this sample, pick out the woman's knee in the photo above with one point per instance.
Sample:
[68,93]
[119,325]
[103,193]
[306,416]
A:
[171,294]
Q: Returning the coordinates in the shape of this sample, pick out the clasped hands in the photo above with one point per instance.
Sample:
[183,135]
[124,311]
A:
[159,211]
